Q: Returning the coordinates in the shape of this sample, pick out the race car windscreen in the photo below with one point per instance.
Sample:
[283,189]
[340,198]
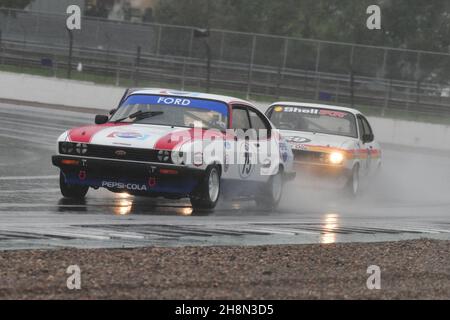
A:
[172,111]
[317,120]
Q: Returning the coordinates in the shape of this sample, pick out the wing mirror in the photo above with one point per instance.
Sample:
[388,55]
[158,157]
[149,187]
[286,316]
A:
[101,119]
[368,137]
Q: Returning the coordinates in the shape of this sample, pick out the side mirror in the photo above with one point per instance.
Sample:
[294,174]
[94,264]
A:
[368,137]
[101,119]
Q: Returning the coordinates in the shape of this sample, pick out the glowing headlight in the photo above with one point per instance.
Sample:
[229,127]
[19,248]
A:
[336,158]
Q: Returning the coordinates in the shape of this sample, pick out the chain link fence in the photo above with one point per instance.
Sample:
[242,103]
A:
[253,66]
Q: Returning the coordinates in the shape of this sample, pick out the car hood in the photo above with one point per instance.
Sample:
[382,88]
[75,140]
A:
[300,140]
[131,135]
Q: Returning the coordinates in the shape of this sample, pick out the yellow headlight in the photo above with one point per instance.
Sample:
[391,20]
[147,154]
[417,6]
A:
[336,157]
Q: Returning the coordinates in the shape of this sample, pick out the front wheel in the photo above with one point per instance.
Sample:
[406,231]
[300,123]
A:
[71,191]
[272,192]
[352,187]
[207,194]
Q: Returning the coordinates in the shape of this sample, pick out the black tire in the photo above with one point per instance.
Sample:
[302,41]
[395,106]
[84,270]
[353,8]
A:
[353,184]
[272,192]
[71,191]
[207,193]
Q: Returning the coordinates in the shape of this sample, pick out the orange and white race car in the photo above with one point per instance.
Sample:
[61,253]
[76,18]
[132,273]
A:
[331,145]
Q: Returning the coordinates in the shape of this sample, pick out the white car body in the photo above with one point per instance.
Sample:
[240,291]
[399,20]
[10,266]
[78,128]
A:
[312,150]
[192,150]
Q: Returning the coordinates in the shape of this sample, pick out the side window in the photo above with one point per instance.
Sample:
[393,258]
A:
[367,128]
[361,127]
[240,118]
[257,121]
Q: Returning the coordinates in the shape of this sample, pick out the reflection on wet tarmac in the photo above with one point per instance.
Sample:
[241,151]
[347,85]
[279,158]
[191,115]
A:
[331,223]
[123,204]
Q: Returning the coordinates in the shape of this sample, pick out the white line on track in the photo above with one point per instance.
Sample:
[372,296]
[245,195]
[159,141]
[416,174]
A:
[46,144]
[29,191]
[30,124]
[29,178]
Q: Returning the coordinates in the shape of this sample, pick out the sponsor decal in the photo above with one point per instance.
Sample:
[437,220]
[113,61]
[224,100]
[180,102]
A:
[173,101]
[297,140]
[122,185]
[301,110]
[245,169]
[128,135]
[299,146]
[212,105]
[120,153]
[332,113]
[322,112]
[278,109]
[284,152]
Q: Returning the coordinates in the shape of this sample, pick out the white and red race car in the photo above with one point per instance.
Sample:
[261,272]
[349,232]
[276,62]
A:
[332,146]
[177,144]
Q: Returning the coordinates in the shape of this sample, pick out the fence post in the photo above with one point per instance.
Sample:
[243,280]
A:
[191,43]
[222,42]
[282,66]
[158,41]
[317,71]
[352,78]
[183,75]
[417,76]
[383,70]
[250,67]
[1,48]
[69,62]
[138,62]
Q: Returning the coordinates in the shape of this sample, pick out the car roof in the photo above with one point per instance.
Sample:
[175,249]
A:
[178,93]
[315,105]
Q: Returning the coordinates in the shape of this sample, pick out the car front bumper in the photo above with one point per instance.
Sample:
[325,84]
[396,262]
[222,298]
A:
[139,178]
[321,176]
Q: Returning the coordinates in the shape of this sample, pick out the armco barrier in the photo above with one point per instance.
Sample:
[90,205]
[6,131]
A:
[72,93]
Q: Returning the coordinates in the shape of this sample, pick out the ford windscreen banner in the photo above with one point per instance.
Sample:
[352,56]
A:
[212,105]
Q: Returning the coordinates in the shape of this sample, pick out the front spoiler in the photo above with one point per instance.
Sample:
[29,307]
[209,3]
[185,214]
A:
[321,176]
[138,178]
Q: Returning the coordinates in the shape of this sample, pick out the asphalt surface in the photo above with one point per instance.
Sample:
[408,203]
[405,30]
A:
[409,200]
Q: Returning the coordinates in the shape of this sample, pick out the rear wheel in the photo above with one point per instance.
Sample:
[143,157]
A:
[71,191]
[352,187]
[208,192]
[272,192]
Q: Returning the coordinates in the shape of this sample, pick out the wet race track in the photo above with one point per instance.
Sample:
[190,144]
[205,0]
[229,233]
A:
[410,199]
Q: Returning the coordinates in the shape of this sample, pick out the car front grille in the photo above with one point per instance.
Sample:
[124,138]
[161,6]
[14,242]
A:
[309,156]
[120,153]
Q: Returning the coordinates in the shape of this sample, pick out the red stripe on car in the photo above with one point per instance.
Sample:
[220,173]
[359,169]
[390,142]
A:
[85,134]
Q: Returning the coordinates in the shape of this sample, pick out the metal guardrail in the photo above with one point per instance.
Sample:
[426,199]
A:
[251,65]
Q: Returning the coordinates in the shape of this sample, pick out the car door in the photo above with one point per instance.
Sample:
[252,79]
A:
[243,165]
[371,145]
[366,145]
[262,143]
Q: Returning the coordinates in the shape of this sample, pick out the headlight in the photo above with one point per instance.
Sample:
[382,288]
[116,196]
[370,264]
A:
[336,157]
[164,156]
[66,147]
[81,148]
[73,148]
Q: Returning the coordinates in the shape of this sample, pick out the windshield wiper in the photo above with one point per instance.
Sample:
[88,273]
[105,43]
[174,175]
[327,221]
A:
[141,115]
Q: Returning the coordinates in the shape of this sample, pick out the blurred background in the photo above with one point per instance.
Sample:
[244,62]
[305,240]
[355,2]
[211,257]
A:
[262,50]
